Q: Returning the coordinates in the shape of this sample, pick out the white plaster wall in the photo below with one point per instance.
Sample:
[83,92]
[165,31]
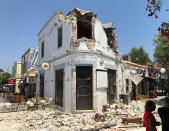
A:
[119,81]
[101,94]
[99,34]
[129,72]
[48,85]
[67,34]
[49,90]
[67,88]
[67,81]
[82,45]
[101,98]
[50,37]
[101,40]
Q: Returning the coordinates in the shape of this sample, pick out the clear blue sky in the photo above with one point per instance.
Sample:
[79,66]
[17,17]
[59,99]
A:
[21,20]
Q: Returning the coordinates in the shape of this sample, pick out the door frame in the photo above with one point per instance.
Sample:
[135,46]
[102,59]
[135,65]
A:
[59,107]
[42,89]
[91,66]
[114,85]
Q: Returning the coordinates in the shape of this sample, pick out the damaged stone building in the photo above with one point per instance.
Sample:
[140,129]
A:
[135,79]
[85,69]
[28,81]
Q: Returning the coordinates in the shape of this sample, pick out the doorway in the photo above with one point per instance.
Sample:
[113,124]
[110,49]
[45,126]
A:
[84,88]
[59,77]
[133,92]
[42,85]
[111,91]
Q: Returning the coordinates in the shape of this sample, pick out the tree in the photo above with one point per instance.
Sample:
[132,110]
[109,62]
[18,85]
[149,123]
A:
[153,7]
[139,55]
[161,53]
[4,78]
[1,70]
[0,80]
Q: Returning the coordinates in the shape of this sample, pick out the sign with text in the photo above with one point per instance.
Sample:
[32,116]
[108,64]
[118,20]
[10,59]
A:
[102,79]
[141,72]
[11,81]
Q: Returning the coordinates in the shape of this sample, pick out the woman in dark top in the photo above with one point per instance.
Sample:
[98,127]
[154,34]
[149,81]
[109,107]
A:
[164,114]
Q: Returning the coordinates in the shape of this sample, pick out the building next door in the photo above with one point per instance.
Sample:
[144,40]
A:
[59,77]
[84,88]
[111,91]
[42,85]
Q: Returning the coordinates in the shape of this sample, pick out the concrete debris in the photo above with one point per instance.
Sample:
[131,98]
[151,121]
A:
[32,104]
[105,108]
[111,35]
[99,117]
[49,119]
[108,25]
[38,103]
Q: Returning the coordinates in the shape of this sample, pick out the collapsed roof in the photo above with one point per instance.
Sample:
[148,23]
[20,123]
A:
[77,11]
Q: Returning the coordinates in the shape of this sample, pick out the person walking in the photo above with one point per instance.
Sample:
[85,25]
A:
[149,119]
[164,114]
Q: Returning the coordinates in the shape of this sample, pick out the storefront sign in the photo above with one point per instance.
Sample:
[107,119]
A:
[141,72]
[45,65]
[157,75]
[102,79]
[11,81]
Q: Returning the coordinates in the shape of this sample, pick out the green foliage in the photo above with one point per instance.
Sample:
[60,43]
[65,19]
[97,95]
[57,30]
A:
[1,70]
[139,55]
[161,53]
[0,80]
[4,78]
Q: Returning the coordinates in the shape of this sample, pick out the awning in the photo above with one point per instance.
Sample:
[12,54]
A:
[136,79]
[150,77]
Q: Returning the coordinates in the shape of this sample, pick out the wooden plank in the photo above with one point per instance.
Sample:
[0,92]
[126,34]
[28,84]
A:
[130,126]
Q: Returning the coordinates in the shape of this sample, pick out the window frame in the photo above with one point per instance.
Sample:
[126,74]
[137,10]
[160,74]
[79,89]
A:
[127,85]
[60,36]
[42,49]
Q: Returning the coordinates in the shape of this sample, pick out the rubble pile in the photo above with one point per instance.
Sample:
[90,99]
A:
[47,118]
[39,103]
[32,104]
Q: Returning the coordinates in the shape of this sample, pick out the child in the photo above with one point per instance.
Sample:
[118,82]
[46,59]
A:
[149,119]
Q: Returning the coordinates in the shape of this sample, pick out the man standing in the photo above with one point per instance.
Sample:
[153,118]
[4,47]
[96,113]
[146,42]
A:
[164,114]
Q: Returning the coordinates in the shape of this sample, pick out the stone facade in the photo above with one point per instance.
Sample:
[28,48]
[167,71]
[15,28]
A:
[81,47]
[133,79]
[28,81]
